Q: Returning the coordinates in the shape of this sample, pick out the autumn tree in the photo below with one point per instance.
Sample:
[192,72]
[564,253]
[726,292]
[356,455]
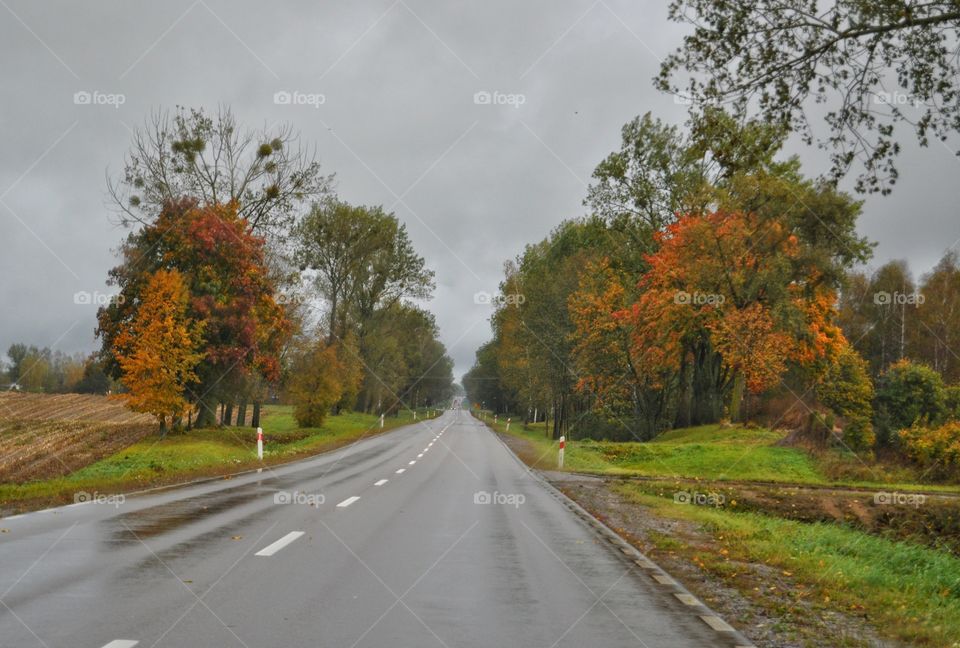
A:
[724,296]
[231,290]
[160,349]
[319,377]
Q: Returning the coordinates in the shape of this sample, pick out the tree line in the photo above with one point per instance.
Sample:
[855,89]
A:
[244,279]
[712,281]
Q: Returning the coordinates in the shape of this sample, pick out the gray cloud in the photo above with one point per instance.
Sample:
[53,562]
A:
[478,182]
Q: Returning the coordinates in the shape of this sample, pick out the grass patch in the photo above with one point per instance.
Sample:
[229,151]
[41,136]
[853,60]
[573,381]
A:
[199,453]
[717,453]
[908,591]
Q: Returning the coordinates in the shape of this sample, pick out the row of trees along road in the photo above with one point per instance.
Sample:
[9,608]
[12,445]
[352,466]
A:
[244,278]
[709,269]
[699,276]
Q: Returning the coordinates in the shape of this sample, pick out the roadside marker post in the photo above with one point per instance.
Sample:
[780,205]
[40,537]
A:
[381,421]
[563,444]
[508,425]
[260,444]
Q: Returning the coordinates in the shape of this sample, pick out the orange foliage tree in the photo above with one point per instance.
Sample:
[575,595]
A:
[734,293]
[158,352]
[230,288]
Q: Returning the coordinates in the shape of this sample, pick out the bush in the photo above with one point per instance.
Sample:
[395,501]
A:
[937,449]
[952,402]
[847,390]
[317,383]
[909,393]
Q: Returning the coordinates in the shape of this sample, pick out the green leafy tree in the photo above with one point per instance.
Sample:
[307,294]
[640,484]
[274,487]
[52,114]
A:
[909,393]
[879,64]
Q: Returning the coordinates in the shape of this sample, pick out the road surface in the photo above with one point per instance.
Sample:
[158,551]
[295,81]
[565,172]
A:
[430,535]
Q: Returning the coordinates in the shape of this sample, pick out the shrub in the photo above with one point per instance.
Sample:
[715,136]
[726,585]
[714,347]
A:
[909,393]
[952,402]
[846,389]
[317,383]
[937,449]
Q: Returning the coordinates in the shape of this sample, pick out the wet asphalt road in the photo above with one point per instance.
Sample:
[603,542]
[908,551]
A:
[418,560]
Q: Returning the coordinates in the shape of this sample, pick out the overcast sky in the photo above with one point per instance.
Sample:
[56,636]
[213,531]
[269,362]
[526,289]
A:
[398,125]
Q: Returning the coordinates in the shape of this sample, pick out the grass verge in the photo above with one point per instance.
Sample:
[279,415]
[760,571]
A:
[713,453]
[197,454]
[908,592]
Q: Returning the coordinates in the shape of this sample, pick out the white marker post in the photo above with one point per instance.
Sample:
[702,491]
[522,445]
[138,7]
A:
[381,421]
[508,425]
[260,444]
[563,444]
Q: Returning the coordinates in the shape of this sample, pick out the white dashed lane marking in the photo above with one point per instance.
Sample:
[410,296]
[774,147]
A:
[122,643]
[401,471]
[410,463]
[271,549]
[717,623]
[381,482]
[347,502]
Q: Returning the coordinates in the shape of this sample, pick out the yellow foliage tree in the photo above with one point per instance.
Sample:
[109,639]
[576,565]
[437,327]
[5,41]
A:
[158,353]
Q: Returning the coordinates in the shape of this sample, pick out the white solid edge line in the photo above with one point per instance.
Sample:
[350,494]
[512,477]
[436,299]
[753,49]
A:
[347,502]
[381,482]
[122,643]
[271,549]
[401,471]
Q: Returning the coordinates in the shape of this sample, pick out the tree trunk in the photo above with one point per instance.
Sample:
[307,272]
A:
[227,414]
[242,413]
[206,411]
[255,418]
[736,397]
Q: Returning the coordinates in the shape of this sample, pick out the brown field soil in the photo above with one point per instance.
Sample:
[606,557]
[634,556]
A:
[50,435]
